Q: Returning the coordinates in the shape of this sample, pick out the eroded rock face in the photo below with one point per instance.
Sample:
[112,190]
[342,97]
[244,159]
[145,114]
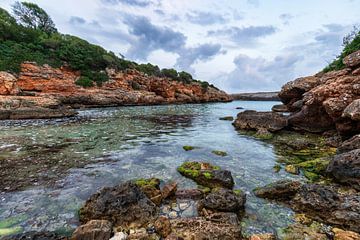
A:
[93,230]
[353,110]
[326,204]
[252,120]
[223,226]
[350,144]
[352,60]
[124,205]
[345,168]
[8,84]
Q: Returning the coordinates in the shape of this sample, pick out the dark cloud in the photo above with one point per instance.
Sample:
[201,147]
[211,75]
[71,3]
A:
[285,18]
[150,37]
[205,18]
[259,74]
[203,52]
[77,20]
[159,12]
[246,36]
[137,3]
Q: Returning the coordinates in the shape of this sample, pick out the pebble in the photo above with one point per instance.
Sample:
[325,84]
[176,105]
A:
[173,214]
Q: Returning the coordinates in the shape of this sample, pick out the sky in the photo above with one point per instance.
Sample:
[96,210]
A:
[238,45]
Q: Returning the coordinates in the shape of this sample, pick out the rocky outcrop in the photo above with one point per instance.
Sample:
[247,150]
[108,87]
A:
[252,120]
[224,200]
[123,205]
[259,96]
[326,100]
[129,87]
[345,168]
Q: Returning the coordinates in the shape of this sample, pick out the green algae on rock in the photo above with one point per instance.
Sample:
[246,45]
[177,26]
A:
[188,148]
[219,153]
[227,118]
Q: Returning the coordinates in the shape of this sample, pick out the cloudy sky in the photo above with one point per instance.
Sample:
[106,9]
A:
[238,45]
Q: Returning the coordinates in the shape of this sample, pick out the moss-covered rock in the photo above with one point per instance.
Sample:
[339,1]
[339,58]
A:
[151,188]
[206,174]
[220,153]
[188,148]
[293,169]
[277,168]
[227,118]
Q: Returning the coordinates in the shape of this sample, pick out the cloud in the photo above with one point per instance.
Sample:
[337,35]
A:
[246,36]
[205,18]
[203,52]
[136,3]
[255,3]
[259,74]
[150,37]
[285,18]
[77,20]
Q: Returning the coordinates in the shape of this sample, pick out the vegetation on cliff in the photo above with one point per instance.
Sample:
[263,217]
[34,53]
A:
[351,43]
[30,35]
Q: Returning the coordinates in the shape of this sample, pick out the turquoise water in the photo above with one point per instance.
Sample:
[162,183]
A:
[136,142]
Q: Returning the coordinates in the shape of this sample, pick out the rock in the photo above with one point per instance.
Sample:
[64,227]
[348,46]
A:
[292,169]
[345,168]
[169,190]
[119,236]
[8,84]
[258,96]
[93,230]
[353,111]
[206,174]
[188,148]
[264,236]
[224,226]
[36,236]
[193,194]
[252,120]
[263,134]
[345,235]
[142,234]
[124,205]
[350,144]
[151,188]
[228,118]
[239,108]
[352,60]
[162,226]
[326,204]
[293,91]
[283,189]
[224,200]
[280,108]
[312,231]
[219,153]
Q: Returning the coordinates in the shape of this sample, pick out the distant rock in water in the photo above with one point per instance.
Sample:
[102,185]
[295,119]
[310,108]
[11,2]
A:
[43,91]
[326,101]
[259,96]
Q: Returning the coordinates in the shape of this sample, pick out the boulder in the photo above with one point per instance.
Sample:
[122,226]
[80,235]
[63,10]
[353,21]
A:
[93,230]
[207,175]
[224,226]
[352,60]
[253,120]
[263,236]
[345,168]
[326,204]
[151,188]
[345,235]
[124,205]
[293,91]
[8,84]
[352,111]
[350,144]
[224,200]
[280,108]
[283,189]
[162,226]
[169,190]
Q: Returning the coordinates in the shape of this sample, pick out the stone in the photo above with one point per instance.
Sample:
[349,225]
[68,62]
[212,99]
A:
[352,60]
[151,188]
[93,230]
[224,226]
[228,118]
[345,235]
[264,236]
[283,189]
[292,169]
[207,175]
[345,168]
[36,236]
[280,108]
[193,194]
[8,84]
[350,144]
[252,120]
[162,226]
[124,205]
[352,111]
[169,190]
[293,91]
[224,200]
[119,236]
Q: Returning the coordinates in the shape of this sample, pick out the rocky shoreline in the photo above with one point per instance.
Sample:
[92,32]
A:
[259,96]
[45,92]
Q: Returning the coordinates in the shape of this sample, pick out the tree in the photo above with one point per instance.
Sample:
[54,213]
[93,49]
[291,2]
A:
[170,73]
[185,77]
[32,16]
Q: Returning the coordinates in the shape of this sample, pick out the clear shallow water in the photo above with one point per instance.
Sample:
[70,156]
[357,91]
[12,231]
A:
[137,142]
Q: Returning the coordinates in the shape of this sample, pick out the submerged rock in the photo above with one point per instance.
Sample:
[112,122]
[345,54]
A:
[224,226]
[207,175]
[124,205]
[224,200]
[345,168]
[227,118]
[219,153]
[253,120]
[280,108]
[283,189]
[93,230]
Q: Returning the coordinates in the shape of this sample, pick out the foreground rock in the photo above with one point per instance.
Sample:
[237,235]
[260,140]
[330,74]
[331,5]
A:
[345,168]
[93,230]
[224,200]
[123,205]
[252,120]
[283,189]
[207,175]
[223,226]
[36,236]
[350,144]
[326,100]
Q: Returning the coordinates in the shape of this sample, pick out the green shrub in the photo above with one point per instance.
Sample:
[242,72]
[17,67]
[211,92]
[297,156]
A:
[84,82]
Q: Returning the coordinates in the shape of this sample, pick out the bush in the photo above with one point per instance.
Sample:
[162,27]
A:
[185,77]
[169,73]
[84,82]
